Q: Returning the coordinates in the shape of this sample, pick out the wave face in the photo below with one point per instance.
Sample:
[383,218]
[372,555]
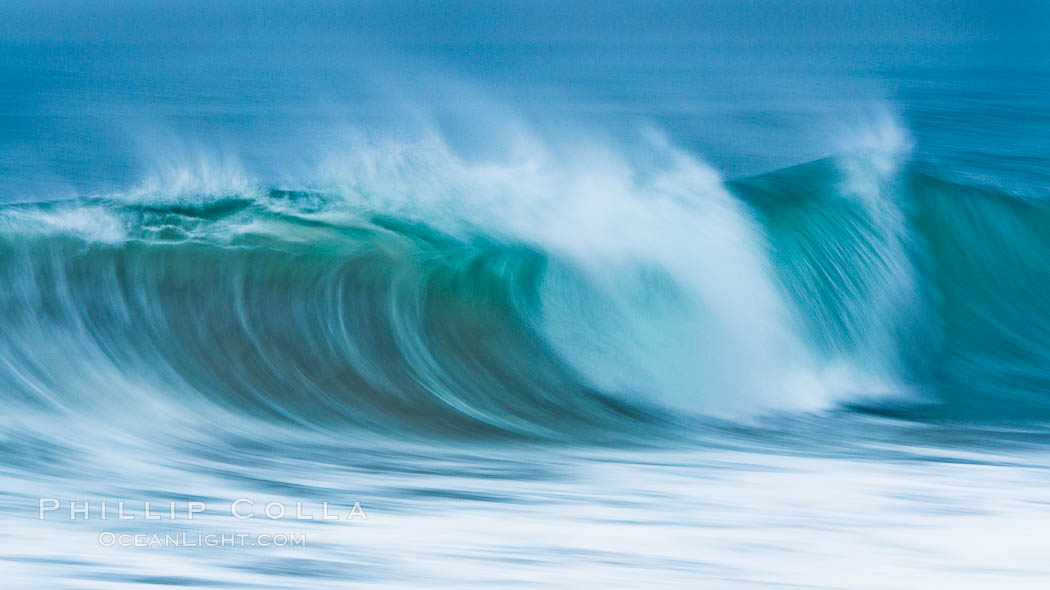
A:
[941,283]
[835,284]
[373,321]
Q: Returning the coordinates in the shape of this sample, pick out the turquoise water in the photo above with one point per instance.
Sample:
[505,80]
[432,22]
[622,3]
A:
[573,296]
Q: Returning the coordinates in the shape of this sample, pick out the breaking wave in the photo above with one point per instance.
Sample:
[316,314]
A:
[552,297]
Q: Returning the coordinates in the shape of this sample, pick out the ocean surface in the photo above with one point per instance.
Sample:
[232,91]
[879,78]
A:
[698,295]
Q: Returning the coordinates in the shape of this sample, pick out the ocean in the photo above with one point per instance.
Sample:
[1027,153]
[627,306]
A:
[590,294]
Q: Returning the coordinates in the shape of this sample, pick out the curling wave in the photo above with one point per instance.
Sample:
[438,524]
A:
[808,288]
